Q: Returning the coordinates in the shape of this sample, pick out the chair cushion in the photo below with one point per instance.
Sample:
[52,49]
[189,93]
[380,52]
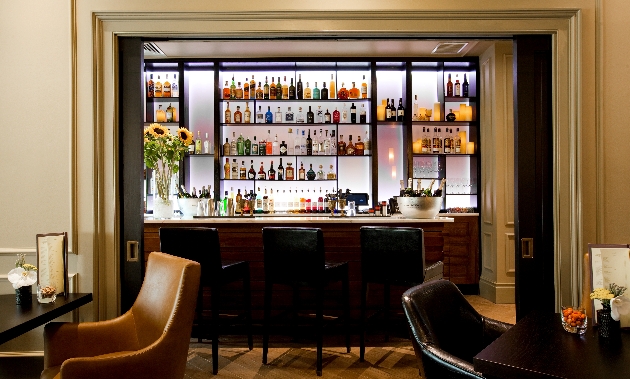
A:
[51,373]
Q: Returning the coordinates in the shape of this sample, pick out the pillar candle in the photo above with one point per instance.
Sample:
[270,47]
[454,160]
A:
[380,112]
[437,116]
[417,146]
[462,113]
[422,113]
[470,148]
[469,111]
[462,137]
[457,116]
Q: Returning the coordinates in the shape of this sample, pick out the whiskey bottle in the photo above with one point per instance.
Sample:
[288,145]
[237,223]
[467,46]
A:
[251,174]
[166,88]
[301,172]
[226,169]
[266,92]
[388,111]
[353,114]
[242,172]
[299,90]
[279,89]
[280,169]
[237,202]
[233,89]
[271,174]
[226,147]
[158,88]
[341,146]
[247,115]
[238,92]
[400,112]
[465,87]
[285,89]
[359,147]
[261,172]
[150,86]
[228,114]
[300,116]
[426,142]
[307,92]
[309,144]
[450,116]
[268,115]
[457,86]
[160,115]
[174,87]
[234,169]
[238,115]
[436,142]
[363,115]
[327,118]
[291,91]
[254,147]
[283,147]
[272,88]
[350,147]
[278,116]
[440,140]
[259,92]
[310,175]
[393,113]
[252,88]
[449,86]
[226,91]
[246,89]
[198,144]
[354,92]
[289,116]
[367,145]
[324,92]
[310,116]
[289,172]
[343,93]
[206,145]
[315,92]
[169,113]
[240,145]
[331,174]
[447,142]
[457,139]
[332,90]
[364,89]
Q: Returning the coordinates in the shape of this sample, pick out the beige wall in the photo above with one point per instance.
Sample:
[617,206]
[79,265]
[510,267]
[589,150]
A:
[36,57]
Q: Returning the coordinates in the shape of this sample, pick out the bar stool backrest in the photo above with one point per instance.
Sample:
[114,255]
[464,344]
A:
[392,254]
[293,254]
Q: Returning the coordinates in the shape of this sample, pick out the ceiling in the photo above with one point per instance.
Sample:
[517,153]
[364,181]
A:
[269,48]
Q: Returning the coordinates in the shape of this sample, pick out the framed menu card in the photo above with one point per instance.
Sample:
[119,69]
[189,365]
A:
[52,261]
[610,263]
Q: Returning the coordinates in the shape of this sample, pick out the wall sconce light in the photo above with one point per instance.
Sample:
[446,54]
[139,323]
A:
[391,155]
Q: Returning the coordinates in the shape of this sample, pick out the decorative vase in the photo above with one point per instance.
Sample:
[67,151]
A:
[24,295]
[162,208]
[162,204]
[607,326]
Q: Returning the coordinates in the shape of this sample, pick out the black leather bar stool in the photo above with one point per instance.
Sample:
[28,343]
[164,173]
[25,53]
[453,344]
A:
[391,256]
[202,245]
[296,257]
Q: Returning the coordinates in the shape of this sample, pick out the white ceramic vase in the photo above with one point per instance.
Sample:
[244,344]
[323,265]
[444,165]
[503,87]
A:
[162,208]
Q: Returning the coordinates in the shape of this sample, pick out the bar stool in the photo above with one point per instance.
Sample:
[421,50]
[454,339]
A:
[202,245]
[391,256]
[295,257]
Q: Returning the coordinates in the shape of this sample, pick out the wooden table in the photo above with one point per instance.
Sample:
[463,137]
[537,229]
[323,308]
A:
[538,347]
[16,320]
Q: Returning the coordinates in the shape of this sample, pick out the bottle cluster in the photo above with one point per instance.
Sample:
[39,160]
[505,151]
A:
[283,90]
[419,191]
[234,171]
[168,115]
[438,142]
[158,88]
[389,112]
[312,116]
[457,89]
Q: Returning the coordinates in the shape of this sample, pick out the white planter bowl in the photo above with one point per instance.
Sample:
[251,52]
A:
[188,206]
[419,207]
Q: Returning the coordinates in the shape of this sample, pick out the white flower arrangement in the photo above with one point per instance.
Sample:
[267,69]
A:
[23,274]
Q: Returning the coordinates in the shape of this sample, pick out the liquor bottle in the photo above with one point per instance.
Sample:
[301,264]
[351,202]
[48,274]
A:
[280,169]
[272,88]
[265,207]
[296,143]
[400,112]
[285,88]
[320,144]
[260,116]
[226,169]
[266,91]
[310,175]
[414,114]
[335,116]
[465,87]
[394,113]
[234,169]
[278,116]
[435,146]
[198,144]
[261,172]
[174,87]
[254,147]
[251,174]
[166,88]
[353,114]
[283,147]
[289,116]
[150,86]
[319,115]
[275,147]
[343,93]
[237,202]
[233,147]
[327,144]
[238,115]
[309,144]
[289,172]
[300,116]
[240,145]
[290,145]
[259,204]
[354,92]
[279,89]
[332,90]
[242,172]
[226,91]
[327,117]
[291,91]
[160,115]
[158,88]
[259,92]
[307,92]
[246,89]
[269,144]
[447,142]
[301,172]
[359,147]
[333,143]
[272,205]
[341,146]
[268,115]
[226,147]
[363,115]
[299,90]
[252,88]
[331,175]
[425,142]
[344,114]
[228,114]
[350,149]
[271,174]
[450,116]
[457,86]
[323,94]
[367,145]
[310,116]
[169,113]
[449,86]
[440,141]
[315,143]
[315,92]
[388,111]
[364,89]
[302,203]
[458,140]
[233,89]
[320,173]
[238,92]
[206,145]
[247,115]
[262,147]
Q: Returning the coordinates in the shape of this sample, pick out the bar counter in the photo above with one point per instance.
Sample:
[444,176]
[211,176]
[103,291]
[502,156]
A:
[241,239]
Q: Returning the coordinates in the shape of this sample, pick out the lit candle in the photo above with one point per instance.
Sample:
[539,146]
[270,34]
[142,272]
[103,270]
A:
[457,116]
[422,114]
[380,111]
[470,148]
[462,137]
[417,146]
[462,113]
[469,112]
[437,116]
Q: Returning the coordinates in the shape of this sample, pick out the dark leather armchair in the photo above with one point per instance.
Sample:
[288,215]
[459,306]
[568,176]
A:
[446,331]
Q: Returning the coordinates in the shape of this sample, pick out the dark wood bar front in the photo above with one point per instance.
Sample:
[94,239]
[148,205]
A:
[241,239]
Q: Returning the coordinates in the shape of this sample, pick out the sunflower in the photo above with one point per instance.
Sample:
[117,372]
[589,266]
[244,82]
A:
[185,136]
[157,130]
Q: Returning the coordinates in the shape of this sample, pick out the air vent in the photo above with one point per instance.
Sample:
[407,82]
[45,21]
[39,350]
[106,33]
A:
[449,48]
[151,50]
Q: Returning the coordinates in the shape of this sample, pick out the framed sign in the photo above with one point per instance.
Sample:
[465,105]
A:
[610,263]
[52,261]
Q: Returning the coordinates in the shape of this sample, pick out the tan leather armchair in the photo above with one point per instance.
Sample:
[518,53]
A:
[149,341]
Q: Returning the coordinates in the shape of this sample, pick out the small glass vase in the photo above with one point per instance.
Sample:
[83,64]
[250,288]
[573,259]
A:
[24,295]
[607,326]
[46,294]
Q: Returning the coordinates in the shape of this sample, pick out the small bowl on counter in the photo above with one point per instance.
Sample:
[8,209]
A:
[574,320]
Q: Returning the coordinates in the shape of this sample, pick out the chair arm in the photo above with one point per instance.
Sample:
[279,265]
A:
[493,329]
[434,272]
[439,364]
[69,340]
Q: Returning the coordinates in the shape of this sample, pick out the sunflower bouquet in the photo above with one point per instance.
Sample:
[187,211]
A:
[162,153]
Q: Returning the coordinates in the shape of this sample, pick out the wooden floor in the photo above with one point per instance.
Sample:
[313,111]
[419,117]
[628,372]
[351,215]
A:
[290,360]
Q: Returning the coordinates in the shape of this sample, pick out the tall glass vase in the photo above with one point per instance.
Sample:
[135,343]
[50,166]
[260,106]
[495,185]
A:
[607,326]
[162,204]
